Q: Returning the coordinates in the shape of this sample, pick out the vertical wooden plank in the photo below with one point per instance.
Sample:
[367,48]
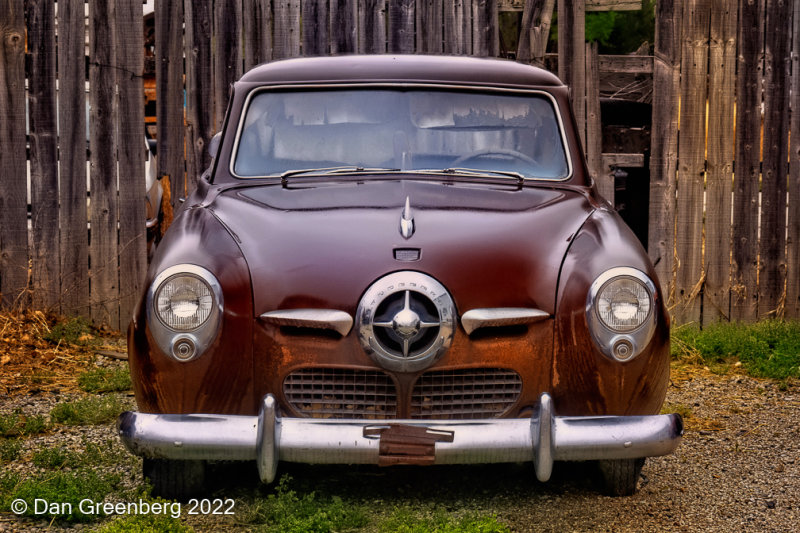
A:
[486,28]
[401,26]
[793,244]
[45,253]
[429,26]
[691,168]
[535,31]
[227,53]
[13,193]
[750,37]
[103,210]
[772,246]
[344,19]
[372,26]
[257,29]
[169,100]
[316,22]
[719,179]
[132,231]
[664,143]
[286,29]
[199,86]
[594,130]
[72,160]
[456,39]
[571,52]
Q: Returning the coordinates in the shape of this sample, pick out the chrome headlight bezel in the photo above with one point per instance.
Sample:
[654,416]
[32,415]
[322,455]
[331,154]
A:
[184,343]
[622,343]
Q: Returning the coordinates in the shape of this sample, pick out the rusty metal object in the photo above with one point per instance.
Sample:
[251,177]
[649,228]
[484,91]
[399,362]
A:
[407,445]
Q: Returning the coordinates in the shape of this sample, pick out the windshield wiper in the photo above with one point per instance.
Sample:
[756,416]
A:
[476,172]
[330,171]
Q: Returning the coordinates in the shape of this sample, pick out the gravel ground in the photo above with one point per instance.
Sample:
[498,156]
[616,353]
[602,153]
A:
[738,469]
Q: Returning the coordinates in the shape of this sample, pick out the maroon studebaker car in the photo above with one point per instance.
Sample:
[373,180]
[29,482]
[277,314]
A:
[398,260]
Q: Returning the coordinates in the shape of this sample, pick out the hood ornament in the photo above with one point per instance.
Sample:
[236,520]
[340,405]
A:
[407,221]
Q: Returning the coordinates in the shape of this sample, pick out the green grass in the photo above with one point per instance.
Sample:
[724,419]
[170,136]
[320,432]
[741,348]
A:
[105,380]
[405,520]
[9,450]
[146,523]
[768,349]
[16,424]
[89,411]
[286,511]
[297,511]
[91,454]
[9,424]
[68,489]
[76,330]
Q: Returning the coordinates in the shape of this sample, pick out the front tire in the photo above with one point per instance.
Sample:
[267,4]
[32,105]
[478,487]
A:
[175,480]
[620,476]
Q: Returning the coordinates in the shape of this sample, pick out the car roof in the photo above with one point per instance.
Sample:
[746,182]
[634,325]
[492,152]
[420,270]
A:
[457,70]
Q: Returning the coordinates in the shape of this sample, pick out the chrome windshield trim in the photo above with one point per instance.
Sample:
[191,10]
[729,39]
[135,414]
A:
[331,319]
[490,317]
[402,85]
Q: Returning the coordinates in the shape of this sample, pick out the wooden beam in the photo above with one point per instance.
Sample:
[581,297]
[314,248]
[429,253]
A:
[691,171]
[633,64]
[130,128]
[72,213]
[747,161]
[664,144]
[772,244]
[793,242]
[719,178]
[622,160]
[571,47]
[45,271]
[613,5]
[104,205]
[13,193]
[591,5]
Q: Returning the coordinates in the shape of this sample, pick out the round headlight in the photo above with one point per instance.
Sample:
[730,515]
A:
[621,311]
[623,304]
[184,302]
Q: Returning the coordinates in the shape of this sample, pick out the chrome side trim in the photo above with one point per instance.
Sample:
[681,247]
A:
[500,316]
[332,319]
[267,438]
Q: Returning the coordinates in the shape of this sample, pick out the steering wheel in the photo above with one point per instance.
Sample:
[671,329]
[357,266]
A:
[489,152]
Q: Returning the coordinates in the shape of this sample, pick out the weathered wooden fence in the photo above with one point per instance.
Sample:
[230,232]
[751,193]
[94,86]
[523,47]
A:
[725,195]
[722,233]
[82,249]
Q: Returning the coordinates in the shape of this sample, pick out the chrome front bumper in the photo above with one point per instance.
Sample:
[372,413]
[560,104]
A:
[268,439]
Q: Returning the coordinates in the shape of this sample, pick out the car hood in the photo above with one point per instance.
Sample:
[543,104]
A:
[321,246]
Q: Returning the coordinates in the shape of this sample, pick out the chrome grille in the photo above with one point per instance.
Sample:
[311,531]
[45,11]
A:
[341,393]
[465,394]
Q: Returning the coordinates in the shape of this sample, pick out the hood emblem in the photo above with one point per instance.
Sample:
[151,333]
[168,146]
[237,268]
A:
[406,321]
[407,221]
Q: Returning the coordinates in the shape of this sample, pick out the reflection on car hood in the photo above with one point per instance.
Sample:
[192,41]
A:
[321,247]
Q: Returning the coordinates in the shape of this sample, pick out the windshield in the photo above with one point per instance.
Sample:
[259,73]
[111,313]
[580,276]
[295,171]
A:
[402,129]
